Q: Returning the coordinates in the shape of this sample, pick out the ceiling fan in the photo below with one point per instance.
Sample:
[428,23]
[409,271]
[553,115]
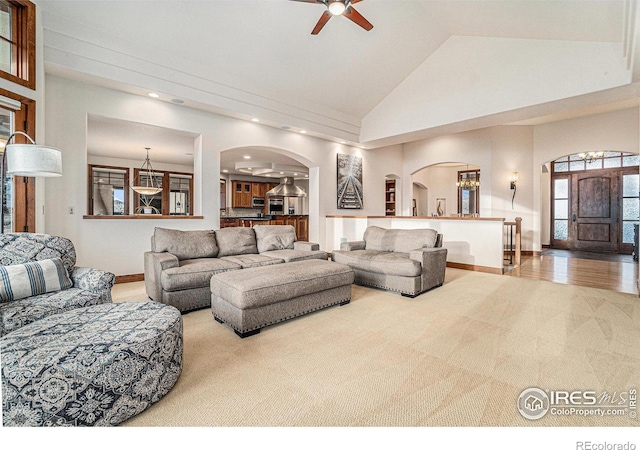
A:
[339,8]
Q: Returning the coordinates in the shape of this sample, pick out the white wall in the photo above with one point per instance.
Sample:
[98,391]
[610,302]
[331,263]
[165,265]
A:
[118,245]
[472,76]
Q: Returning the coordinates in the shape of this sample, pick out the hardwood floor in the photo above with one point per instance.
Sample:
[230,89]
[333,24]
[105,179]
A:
[605,271]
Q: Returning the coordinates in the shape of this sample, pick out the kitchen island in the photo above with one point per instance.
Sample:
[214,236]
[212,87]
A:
[299,222]
[473,243]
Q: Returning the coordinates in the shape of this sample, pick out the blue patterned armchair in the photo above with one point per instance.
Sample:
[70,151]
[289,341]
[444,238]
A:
[89,286]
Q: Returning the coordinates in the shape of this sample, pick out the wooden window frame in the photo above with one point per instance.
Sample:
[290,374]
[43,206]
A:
[90,187]
[23,30]
[166,182]
[24,188]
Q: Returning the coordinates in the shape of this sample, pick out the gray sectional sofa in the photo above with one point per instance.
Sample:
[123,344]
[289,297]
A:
[407,261]
[179,267]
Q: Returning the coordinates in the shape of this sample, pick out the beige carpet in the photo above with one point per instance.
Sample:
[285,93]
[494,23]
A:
[459,355]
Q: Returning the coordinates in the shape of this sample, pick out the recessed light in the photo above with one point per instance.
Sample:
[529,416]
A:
[249,168]
[247,157]
[225,170]
[306,176]
[153,95]
[303,132]
[343,142]
[295,174]
[255,119]
[268,175]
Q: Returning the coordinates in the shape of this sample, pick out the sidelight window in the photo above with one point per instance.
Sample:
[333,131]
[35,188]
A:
[630,205]
[561,209]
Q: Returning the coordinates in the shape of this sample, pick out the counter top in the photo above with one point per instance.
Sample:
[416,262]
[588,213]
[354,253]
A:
[501,219]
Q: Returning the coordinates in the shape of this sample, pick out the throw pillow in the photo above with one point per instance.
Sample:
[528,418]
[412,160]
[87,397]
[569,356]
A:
[274,237]
[236,241]
[185,244]
[32,278]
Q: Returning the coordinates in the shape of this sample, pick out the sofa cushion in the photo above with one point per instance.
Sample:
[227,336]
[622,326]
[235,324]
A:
[387,263]
[16,314]
[185,244]
[32,278]
[406,240]
[248,261]
[236,241]
[274,237]
[374,239]
[395,240]
[194,273]
[296,255]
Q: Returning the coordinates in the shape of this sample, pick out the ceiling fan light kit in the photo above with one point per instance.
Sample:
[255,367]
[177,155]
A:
[338,8]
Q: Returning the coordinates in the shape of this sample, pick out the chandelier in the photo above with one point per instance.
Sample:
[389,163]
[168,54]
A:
[466,183]
[590,156]
[149,187]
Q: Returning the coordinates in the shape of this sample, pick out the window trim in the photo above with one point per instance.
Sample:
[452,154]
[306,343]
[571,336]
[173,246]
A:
[126,187]
[24,34]
[166,176]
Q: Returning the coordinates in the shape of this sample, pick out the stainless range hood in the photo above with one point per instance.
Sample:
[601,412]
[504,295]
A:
[286,188]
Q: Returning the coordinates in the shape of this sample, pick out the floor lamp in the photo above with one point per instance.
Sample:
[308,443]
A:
[27,160]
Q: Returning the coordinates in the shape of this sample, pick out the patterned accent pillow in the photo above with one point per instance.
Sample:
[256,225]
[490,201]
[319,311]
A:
[32,278]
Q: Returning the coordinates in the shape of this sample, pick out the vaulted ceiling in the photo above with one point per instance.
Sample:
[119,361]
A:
[427,67]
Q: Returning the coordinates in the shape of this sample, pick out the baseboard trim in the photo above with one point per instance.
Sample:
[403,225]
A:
[475,268]
[129,278]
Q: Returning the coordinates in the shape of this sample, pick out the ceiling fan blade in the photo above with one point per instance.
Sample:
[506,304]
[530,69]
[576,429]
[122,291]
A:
[322,22]
[357,18]
[309,1]
[353,2]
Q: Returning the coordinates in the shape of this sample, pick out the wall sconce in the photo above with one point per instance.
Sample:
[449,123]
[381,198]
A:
[512,186]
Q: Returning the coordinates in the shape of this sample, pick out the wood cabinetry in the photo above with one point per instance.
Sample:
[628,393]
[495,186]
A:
[259,189]
[390,197]
[241,197]
[300,223]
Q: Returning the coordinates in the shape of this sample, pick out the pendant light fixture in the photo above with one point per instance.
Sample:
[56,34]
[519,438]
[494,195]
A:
[149,187]
[466,183]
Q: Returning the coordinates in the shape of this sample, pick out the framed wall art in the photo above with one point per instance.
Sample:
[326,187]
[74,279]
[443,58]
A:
[349,183]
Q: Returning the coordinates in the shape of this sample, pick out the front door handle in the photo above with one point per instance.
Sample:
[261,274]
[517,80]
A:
[573,217]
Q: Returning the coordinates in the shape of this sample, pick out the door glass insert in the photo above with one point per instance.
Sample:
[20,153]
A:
[561,209]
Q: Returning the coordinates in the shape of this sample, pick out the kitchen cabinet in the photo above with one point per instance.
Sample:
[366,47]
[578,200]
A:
[241,197]
[302,228]
[300,223]
[259,190]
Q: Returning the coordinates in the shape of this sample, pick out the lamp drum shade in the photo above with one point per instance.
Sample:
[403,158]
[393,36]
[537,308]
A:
[31,160]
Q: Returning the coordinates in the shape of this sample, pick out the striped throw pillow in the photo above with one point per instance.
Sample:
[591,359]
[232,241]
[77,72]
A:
[32,278]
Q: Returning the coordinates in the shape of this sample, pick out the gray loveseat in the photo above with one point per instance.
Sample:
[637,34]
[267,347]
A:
[179,267]
[407,261]
[88,286]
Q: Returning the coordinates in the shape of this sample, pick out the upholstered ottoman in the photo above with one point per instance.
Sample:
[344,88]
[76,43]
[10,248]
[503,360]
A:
[250,299]
[96,366]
